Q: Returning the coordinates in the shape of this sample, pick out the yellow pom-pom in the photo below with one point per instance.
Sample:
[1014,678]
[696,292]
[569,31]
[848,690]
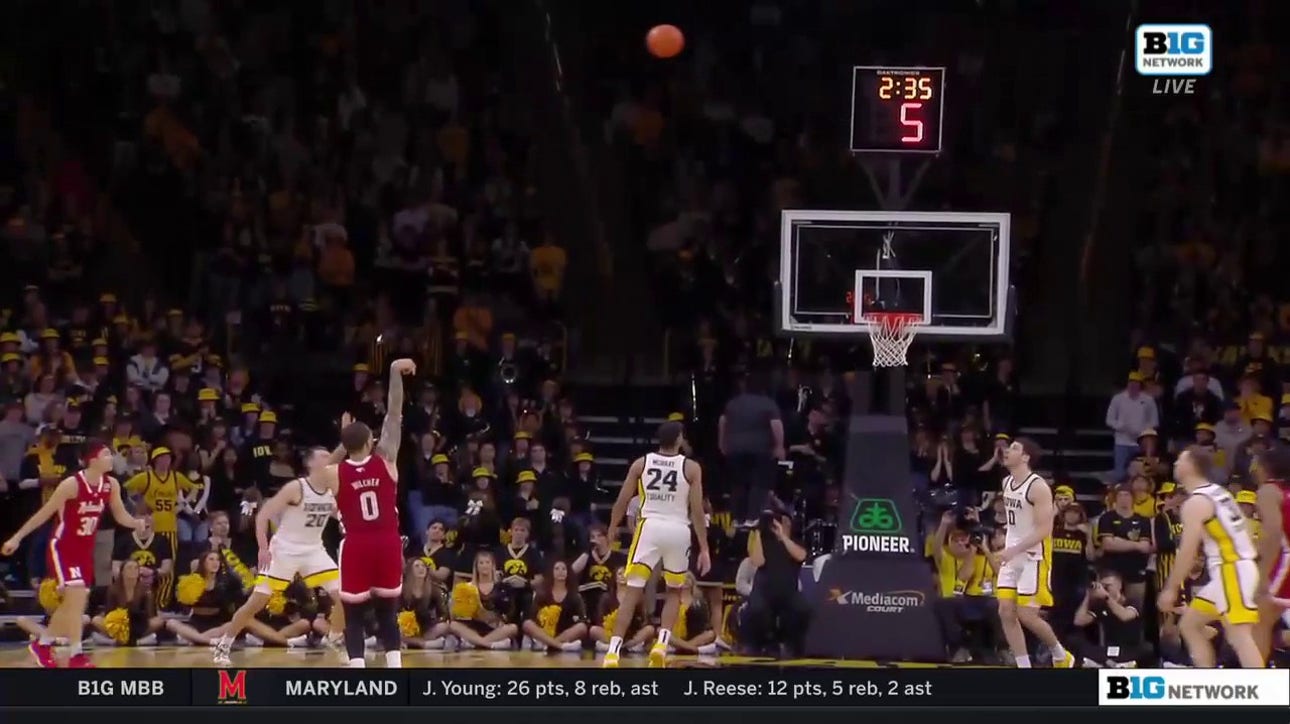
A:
[189,588]
[408,624]
[49,595]
[608,623]
[277,603]
[465,601]
[117,625]
[678,631]
[548,618]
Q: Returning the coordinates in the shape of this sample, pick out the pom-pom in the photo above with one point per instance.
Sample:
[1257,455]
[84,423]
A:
[465,601]
[189,588]
[117,625]
[277,603]
[49,595]
[608,623]
[548,617]
[678,631]
[408,624]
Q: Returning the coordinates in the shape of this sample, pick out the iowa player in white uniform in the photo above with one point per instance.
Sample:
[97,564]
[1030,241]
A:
[1023,585]
[670,488]
[301,510]
[1212,520]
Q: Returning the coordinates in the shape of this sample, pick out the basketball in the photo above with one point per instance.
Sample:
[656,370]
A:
[664,41]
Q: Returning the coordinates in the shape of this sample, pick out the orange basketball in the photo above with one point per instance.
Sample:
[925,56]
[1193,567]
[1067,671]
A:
[665,41]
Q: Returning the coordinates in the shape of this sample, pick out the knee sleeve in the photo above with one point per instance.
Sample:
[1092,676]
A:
[355,615]
[387,622]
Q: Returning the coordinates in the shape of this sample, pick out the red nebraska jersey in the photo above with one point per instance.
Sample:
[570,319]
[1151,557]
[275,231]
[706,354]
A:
[78,520]
[1279,580]
[368,498]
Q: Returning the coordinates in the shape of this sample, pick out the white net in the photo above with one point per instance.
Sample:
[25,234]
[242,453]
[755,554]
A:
[891,335]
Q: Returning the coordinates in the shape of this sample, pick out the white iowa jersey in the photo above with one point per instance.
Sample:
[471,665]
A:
[1227,535]
[301,526]
[663,489]
[1021,512]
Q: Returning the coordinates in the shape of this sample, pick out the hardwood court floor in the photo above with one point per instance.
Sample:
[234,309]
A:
[194,657]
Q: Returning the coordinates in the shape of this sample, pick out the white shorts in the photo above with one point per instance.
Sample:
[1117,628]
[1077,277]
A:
[1229,593]
[658,541]
[312,564]
[1027,580]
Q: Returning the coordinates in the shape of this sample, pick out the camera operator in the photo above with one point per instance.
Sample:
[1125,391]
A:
[963,543]
[1110,619]
[776,610]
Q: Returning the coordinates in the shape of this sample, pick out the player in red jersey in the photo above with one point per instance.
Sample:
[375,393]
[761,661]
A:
[366,484]
[1273,505]
[78,502]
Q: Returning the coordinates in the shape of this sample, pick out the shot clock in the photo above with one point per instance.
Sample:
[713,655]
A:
[896,110]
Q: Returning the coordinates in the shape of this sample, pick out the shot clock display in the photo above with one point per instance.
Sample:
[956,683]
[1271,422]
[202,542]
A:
[895,110]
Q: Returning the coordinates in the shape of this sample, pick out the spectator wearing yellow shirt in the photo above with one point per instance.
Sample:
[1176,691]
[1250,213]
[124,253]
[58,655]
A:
[1253,403]
[160,487]
[547,263]
[1247,499]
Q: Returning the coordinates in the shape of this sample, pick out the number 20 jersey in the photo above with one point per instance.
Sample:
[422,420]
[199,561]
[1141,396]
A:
[301,526]
[663,489]
[367,498]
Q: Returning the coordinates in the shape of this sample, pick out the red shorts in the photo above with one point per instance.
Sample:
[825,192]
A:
[370,564]
[71,564]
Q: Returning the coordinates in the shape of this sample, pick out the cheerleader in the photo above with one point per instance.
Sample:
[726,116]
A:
[694,632]
[286,616]
[558,617]
[639,632]
[129,615]
[213,594]
[479,608]
[423,608]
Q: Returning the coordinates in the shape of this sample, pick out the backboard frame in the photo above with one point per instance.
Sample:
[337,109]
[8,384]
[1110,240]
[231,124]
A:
[998,330]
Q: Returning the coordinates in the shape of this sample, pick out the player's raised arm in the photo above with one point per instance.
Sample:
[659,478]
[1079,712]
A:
[65,491]
[694,474]
[392,428]
[338,453]
[117,506]
[625,493]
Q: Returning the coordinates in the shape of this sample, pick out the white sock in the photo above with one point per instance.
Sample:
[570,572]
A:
[46,640]
[393,659]
[1059,654]
[1023,662]
[571,646]
[708,649]
[357,664]
[615,644]
[664,638]
[298,641]
[433,644]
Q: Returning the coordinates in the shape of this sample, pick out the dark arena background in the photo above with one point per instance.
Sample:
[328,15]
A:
[864,253]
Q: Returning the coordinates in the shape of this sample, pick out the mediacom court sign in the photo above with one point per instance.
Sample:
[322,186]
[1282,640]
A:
[876,527]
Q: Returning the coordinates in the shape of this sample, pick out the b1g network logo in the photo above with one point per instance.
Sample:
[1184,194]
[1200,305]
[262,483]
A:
[1174,54]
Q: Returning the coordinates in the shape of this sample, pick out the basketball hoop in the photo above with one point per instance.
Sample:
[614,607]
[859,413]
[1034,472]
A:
[891,334]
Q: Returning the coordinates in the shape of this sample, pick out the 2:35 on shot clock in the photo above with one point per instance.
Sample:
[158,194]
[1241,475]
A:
[896,109]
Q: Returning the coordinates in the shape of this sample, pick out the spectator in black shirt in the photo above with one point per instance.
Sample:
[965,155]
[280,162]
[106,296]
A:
[1195,404]
[440,560]
[750,434]
[433,493]
[596,567]
[1073,549]
[144,547]
[551,483]
[1125,539]
[1113,623]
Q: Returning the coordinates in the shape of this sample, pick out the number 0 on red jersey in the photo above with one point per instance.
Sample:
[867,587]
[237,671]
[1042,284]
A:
[371,555]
